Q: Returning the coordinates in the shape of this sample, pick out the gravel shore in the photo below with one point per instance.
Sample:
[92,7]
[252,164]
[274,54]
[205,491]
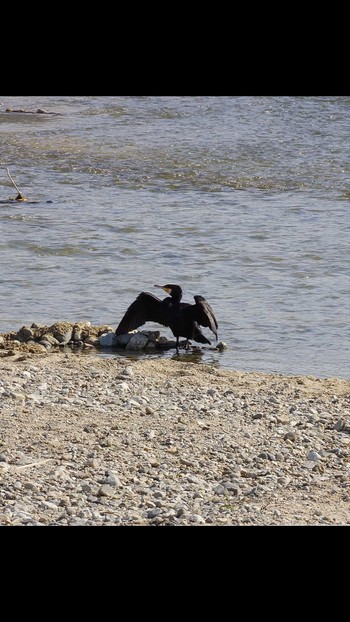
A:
[86,440]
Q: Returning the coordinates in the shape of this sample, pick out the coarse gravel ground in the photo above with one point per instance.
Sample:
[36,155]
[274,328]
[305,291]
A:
[86,440]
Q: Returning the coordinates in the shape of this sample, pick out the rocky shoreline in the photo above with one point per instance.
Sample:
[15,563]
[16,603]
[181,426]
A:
[86,440]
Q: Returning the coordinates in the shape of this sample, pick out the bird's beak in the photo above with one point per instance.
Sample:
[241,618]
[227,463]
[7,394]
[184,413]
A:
[166,289]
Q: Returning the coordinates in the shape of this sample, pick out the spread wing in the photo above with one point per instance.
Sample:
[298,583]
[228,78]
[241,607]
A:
[145,308]
[204,315]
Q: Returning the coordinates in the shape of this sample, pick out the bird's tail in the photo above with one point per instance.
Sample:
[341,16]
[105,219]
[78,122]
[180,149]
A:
[198,336]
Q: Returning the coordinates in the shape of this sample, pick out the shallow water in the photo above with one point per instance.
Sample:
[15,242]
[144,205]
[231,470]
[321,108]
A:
[244,200]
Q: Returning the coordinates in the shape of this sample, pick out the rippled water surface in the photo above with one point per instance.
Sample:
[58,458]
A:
[244,200]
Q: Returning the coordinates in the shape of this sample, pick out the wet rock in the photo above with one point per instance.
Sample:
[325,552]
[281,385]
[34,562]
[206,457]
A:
[137,342]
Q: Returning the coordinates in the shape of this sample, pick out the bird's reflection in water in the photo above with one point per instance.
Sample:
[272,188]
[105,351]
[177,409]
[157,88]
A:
[188,357]
[197,355]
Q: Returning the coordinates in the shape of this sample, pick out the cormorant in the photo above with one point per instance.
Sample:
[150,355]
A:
[184,319]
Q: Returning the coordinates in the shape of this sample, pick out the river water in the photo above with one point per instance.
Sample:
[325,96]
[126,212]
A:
[243,200]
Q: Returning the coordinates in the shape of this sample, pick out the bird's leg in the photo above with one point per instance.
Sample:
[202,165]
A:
[177,345]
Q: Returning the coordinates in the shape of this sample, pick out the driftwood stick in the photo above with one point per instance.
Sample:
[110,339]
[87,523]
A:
[14,183]
[20,196]
[27,466]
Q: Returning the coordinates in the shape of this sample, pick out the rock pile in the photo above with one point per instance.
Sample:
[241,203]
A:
[40,338]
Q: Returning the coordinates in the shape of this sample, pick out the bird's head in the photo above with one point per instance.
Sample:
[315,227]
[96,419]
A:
[174,291]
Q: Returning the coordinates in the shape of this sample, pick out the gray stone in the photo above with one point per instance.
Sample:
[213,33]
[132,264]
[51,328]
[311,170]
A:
[107,340]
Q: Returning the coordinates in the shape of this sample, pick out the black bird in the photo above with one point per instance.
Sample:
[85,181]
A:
[183,318]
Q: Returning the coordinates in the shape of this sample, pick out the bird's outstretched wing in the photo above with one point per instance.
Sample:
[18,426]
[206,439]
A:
[145,308]
[204,315]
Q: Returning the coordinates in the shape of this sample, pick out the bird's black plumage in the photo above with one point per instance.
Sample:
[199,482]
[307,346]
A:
[184,319]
